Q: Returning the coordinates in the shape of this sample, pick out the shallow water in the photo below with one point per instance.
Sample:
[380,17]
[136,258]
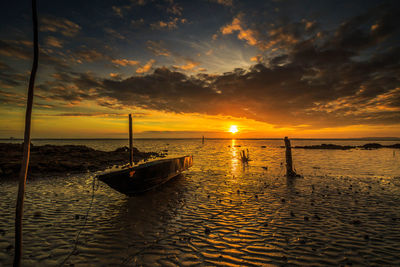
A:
[344,210]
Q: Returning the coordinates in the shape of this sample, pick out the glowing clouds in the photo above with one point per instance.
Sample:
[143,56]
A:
[146,67]
[125,62]
[244,34]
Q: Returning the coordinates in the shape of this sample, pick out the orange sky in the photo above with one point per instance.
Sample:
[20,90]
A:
[154,124]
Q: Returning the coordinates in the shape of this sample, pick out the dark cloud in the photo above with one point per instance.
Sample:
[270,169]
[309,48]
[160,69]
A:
[9,77]
[349,76]
[64,26]
[14,49]
[23,50]
[88,55]
[70,88]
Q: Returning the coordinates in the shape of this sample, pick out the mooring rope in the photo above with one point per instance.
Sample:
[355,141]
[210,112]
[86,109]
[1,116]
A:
[95,186]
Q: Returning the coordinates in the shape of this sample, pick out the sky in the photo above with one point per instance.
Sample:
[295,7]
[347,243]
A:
[304,69]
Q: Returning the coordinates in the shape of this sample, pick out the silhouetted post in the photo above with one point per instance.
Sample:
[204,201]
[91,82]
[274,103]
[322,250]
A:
[289,162]
[19,211]
[130,141]
[202,141]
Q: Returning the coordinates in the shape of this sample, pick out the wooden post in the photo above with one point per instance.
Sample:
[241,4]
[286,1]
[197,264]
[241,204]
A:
[130,141]
[289,162]
[19,211]
[202,141]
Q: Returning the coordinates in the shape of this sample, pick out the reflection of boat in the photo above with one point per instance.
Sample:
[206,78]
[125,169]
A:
[146,176]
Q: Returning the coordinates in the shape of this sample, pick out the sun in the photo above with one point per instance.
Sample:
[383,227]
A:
[233,129]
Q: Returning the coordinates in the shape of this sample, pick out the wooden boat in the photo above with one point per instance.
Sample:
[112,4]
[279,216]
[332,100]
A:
[144,177]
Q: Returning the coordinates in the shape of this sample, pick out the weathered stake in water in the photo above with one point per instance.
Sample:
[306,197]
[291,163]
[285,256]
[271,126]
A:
[130,141]
[289,162]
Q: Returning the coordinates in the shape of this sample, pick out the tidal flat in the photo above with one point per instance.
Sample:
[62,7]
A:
[343,211]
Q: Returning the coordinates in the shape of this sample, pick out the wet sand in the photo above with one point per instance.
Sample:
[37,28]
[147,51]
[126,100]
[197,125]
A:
[220,214]
[308,221]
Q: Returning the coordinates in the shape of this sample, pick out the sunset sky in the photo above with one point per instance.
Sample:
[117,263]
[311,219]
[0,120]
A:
[192,68]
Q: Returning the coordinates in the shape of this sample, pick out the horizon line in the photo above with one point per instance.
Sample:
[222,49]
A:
[213,138]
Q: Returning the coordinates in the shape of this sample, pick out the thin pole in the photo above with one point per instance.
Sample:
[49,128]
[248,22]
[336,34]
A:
[19,211]
[130,141]
[289,162]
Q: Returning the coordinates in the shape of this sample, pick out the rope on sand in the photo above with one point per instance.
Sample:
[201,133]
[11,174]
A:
[95,186]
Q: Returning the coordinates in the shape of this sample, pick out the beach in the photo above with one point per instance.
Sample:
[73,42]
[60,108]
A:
[343,211]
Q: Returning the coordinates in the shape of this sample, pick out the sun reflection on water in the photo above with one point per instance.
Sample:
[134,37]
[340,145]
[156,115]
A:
[234,159]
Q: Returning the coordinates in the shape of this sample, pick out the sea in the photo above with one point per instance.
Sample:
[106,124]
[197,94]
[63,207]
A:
[343,210]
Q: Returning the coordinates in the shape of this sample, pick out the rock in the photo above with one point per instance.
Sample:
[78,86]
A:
[122,149]
[372,146]
[207,231]
[326,146]
[317,217]
[394,146]
[302,240]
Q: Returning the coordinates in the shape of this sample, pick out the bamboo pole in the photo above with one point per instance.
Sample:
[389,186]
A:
[130,141]
[19,211]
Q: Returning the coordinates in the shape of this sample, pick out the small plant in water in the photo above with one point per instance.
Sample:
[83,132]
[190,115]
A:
[245,157]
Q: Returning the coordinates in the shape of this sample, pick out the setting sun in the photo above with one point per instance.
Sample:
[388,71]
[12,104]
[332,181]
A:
[233,129]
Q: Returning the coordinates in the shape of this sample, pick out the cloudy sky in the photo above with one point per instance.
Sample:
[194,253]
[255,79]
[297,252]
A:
[192,68]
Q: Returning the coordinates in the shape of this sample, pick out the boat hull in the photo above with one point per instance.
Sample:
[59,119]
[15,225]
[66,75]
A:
[146,176]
